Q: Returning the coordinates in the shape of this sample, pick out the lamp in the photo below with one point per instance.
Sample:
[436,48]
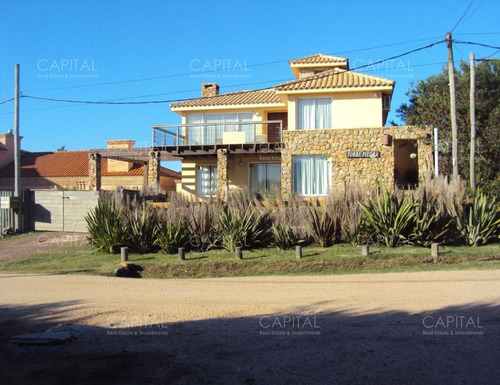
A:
[387,140]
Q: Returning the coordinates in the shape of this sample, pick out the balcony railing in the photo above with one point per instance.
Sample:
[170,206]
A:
[215,133]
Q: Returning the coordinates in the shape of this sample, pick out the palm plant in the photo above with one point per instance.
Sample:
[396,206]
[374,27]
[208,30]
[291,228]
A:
[140,229]
[321,226]
[170,236]
[237,228]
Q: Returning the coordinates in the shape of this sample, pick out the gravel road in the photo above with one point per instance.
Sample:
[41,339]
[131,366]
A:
[429,328]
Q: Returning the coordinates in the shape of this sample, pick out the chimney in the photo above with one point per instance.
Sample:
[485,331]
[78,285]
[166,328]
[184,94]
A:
[209,89]
[121,147]
[6,149]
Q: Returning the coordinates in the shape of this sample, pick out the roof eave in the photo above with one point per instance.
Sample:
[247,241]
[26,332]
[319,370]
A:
[226,107]
[337,90]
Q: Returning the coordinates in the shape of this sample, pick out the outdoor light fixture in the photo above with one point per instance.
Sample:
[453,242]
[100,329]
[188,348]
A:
[387,140]
[241,162]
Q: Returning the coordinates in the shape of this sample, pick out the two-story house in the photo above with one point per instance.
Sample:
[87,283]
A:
[305,137]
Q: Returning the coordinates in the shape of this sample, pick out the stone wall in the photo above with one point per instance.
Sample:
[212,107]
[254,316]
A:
[154,168]
[336,143]
[222,174]
[94,172]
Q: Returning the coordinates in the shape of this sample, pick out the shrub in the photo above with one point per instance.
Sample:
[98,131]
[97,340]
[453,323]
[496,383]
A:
[283,237]
[388,217]
[477,222]
[431,224]
[141,222]
[202,218]
[104,223]
[236,228]
[170,236]
[320,225]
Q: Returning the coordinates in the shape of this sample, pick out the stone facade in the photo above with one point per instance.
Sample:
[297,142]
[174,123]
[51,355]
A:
[94,172]
[154,168]
[222,174]
[336,143]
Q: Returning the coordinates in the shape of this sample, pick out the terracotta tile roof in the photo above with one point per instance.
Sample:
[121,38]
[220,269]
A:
[66,164]
[319,58]
[234,98]
[334,79]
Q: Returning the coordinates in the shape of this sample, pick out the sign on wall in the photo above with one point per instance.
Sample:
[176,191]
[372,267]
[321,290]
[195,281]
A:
[363,154]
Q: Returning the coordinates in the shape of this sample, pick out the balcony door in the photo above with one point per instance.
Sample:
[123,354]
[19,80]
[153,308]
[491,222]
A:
[273,129]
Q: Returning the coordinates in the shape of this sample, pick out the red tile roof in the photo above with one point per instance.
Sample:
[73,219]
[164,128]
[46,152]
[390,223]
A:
[66,164]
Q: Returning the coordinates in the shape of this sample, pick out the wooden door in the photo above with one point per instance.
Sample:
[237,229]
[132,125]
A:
[273,129]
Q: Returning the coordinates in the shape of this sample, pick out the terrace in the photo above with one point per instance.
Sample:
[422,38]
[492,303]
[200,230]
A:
[206,138]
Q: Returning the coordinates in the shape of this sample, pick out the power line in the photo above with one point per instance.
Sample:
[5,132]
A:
[474,43]
[222,69]
[6,101]
[473,12]
[463,15]
[181,100]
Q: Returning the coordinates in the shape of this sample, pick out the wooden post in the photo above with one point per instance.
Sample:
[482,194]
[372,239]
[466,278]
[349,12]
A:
[453,106]
[298,252]
[124,256]
[238,252]
[472,163]
[365,250]
[182,253]
[435,252]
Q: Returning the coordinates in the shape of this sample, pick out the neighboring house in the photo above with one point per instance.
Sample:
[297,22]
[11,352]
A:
[70,170]
[305,137]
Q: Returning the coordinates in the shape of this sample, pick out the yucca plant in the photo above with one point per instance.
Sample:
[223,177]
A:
[283,237]
[388,217]
[431,224]
[320,225]
[237,228]
[140,229]
[170,236]
[104,223]
[478,222]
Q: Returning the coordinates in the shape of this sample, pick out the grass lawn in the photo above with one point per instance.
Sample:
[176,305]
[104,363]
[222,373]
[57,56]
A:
[338,259]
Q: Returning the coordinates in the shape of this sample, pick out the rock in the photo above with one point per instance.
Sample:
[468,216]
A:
[52,338]
[76,331]
[131,271]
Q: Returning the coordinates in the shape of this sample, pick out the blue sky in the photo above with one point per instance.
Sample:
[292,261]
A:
[66,50]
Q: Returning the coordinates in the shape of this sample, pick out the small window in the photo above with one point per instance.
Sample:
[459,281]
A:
[311,175]
[206,181]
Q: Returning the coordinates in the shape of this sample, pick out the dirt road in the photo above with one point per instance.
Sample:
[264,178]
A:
[431,327]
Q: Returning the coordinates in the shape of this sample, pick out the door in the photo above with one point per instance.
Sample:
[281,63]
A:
[273,129]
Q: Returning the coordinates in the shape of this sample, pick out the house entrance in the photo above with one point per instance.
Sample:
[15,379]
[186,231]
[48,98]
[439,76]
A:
[405,163]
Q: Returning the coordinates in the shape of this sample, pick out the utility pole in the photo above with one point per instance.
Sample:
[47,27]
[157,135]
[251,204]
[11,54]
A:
[453,106]
[17,151]
[472,122]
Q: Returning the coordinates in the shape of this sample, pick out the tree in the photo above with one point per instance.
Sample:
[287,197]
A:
[62,148]
[429,104]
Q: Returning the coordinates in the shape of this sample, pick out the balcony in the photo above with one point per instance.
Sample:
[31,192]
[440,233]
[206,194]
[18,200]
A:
[206,138]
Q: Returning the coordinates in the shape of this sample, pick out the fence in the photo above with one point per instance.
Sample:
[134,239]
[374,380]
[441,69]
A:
[61,210]
[6,215]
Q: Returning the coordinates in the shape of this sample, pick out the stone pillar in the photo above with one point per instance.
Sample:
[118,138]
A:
[94,172]
[286,174]
[222,171]
[154,169]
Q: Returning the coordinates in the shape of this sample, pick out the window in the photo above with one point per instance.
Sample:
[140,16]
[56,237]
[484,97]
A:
[212,134]
[314,113]
[265,177]
[311,175]
[206,181]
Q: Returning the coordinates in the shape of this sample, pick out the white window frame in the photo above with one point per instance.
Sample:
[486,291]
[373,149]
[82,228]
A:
[213,188]
[327,175]
[299,127]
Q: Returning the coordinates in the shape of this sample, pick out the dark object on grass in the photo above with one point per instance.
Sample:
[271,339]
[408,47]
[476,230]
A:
[129,271]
